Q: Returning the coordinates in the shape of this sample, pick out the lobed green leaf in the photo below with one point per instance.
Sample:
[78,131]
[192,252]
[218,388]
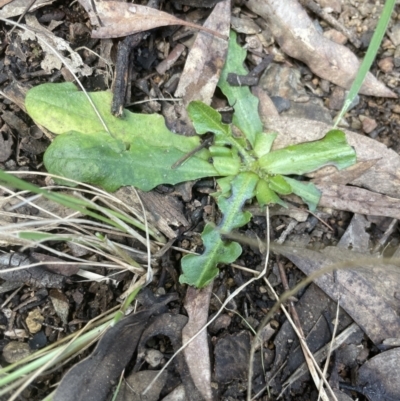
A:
[200,270]
[62,108]
[246,116]
[303,158]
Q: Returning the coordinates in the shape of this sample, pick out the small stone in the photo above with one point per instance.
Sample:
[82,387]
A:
[39,340]
[34,321]
[60,303]
[396,109]
[335,36]
[355,124]
[267,332]
[154,357]
[280,103]
[386,64]
[220,323]
[14,351]
[396,57]
[232,354]
[334,5]
[336,99]
[245,25]
[324,85]
[16,333]
[368,124]
[395,34]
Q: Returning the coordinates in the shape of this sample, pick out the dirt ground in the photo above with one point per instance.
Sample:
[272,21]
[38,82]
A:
[38,311]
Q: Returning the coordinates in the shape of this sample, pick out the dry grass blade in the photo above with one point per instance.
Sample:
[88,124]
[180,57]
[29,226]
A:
[84,233]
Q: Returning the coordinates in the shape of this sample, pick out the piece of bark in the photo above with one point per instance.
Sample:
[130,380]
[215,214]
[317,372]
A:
[121,81]
[59,268]
[16,92]
[197,353]
[343,177]
[6,143]
[298,37]
[266,106]
[358,200]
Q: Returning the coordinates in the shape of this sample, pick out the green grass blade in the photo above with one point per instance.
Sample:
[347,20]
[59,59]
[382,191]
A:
[369,57]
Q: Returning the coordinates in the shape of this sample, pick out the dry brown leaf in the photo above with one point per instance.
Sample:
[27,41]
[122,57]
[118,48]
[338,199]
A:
[197,353]
[379,376]
[50,61]
[298,37]
[121,19]
[383,177]
[17,7]
[358,200]
[206,58]
[367,294]
[356,236]
[343,177]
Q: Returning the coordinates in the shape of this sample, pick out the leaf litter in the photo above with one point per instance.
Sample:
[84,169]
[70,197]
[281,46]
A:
[298,37]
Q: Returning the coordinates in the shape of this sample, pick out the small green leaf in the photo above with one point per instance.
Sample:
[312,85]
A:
[303,158]
[278,184]
[264,143]
[206,119]
[266,196]
[307,191]
[225,185]
[101,160]
[220,151]
[246,116]
[200,270]
[226,165]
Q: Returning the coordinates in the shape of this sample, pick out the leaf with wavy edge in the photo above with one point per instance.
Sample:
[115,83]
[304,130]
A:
[200,270]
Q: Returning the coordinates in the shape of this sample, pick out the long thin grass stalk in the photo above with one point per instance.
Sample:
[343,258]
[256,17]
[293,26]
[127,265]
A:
[369,58]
